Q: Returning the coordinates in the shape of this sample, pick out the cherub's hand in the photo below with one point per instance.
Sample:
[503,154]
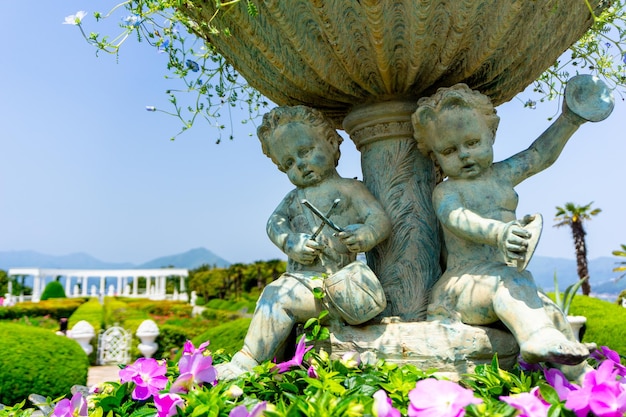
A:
[358,237]
[514,241]
[301,248]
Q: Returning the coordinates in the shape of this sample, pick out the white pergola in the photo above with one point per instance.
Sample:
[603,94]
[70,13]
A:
[125,281]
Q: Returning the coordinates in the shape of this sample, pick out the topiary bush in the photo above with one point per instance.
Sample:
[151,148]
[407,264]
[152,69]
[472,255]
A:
[38,361]
[53,289]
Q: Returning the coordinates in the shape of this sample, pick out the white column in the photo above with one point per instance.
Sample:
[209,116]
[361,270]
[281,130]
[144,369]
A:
[102,290]
[120,289]
[36,288]
[135,285]
[68,285]
[84,289]
[182,288]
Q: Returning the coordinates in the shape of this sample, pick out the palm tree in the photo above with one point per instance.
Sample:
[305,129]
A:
[574,216]
[622,264]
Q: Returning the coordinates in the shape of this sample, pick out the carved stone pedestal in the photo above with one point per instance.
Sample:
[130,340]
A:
[452,348]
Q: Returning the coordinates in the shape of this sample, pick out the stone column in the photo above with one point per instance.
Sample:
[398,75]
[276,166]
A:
[402,179]
[36,288]
[68,285]
[135,285]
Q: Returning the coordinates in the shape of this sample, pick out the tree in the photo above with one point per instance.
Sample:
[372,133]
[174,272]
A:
[575,216]
[622,264]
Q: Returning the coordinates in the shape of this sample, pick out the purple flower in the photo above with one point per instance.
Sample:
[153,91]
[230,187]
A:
[439,398]
[312,372]
[189,348]
[147,375]
[242,411]
[167,404]
[607,354]
[76,407]
[192,65]
[383,407]
[301,350]
[528,367]
[560,383]
[528,404]
[608,400]
[195,369]
[601,393]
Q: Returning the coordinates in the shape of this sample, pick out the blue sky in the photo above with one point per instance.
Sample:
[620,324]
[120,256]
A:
[86,169]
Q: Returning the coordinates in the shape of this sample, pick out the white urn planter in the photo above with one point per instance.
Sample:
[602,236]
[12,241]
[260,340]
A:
[83,332]
[147,333]
[577,323]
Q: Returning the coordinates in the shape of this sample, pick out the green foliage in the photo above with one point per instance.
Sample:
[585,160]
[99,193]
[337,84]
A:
[54,289]
[621,264]
[38,361]
[216,87]
[227,337]
[564,301]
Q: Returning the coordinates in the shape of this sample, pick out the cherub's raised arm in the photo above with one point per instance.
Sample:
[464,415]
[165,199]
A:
[586,99]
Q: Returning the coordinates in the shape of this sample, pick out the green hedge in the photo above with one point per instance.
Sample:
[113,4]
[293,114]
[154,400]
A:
[55,308]
[38,361]
[54,289]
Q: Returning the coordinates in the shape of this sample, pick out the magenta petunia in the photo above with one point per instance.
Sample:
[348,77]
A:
[76,407]
[383,407]
[242,411]
[559,382]
[528,404]
[439,398]
[608,399]
[301,350]
[147,374]
[167,404]
[189,349]
[196,369]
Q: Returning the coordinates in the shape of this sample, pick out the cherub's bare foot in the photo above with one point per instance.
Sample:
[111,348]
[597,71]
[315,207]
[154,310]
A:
[240,364]
[228,370]
[550,345]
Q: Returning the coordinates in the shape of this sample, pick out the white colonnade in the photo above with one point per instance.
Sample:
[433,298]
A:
[125,281]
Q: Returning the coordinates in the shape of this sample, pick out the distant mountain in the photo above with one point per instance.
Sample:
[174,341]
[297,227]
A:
[30,259]
[191,259]
[603,279]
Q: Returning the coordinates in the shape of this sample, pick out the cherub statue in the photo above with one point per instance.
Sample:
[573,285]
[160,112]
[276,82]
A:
[321,225]
[476,205]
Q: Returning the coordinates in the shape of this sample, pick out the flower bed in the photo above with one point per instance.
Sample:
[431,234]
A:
[310,384]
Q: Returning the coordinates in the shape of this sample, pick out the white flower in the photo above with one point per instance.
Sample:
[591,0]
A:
[75,19]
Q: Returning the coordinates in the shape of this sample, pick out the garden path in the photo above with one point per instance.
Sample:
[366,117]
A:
[98,374]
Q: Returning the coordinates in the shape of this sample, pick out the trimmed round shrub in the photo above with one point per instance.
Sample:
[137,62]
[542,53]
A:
[38,361]
[54,289]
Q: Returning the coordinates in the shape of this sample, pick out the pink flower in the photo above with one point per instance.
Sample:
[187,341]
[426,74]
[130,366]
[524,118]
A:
[147,375]
[77,406]
[529,404]
[312,372]
[606,354]
[195,369]
[167,404]
[383,407]
[608,400]
[189,348]
[242,411]
[439,398]
[301,350]
[560,383]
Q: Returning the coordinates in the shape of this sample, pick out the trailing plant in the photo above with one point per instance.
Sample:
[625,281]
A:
[215,88]
[564,300]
